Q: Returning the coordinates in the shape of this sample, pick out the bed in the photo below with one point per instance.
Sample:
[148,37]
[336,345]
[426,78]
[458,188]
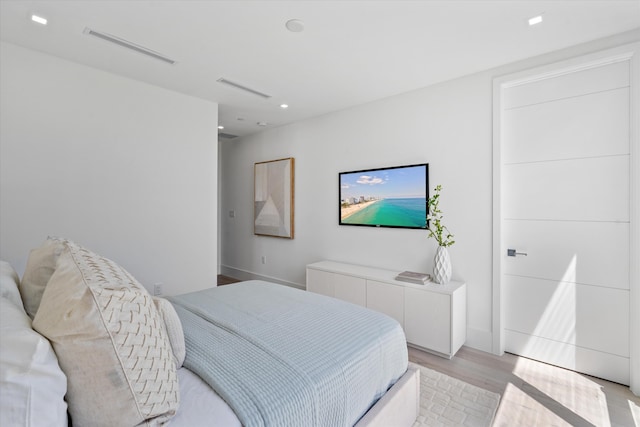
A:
[253,353]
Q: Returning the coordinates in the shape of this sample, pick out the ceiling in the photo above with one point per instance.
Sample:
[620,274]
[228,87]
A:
[350,52]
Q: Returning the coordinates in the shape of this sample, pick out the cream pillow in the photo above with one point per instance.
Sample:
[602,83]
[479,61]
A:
[110,342]
[174,329]
[40,266]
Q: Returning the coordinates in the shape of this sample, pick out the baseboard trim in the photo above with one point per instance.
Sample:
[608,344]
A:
[240,274]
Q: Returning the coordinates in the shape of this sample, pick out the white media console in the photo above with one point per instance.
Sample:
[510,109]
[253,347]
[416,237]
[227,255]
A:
[434,317]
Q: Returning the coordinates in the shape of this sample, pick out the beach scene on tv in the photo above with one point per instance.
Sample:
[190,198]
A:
[393,197]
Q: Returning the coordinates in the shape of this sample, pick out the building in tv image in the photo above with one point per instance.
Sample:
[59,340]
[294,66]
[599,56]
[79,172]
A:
[385,197]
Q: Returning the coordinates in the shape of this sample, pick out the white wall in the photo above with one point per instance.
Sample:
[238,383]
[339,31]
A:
[124,168]
[448,125]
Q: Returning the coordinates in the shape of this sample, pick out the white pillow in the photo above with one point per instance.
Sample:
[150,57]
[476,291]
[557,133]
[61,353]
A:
[9,284]
[110,342]
[174,329]
[32,385]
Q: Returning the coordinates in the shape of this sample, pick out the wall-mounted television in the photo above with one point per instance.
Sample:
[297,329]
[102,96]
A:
[385,197]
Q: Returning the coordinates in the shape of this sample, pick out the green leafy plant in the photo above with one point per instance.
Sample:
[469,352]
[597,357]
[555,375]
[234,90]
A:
[436,229]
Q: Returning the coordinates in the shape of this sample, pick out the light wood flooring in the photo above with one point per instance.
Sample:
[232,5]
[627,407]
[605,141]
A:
[225,280]
[534,393]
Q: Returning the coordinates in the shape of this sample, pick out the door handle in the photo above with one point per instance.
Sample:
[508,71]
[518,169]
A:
[512,252]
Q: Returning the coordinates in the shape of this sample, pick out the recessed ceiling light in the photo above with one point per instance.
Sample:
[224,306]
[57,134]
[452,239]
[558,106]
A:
[295,25]
[262,123]
[284,106]
[39,19]
[535,20]
[220,127]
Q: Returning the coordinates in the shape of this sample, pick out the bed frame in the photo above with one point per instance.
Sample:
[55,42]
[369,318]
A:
[400,406]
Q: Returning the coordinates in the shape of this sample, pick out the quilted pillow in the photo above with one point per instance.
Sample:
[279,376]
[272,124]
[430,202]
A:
[40,266]
[174,329]
[110,342]
[32,385]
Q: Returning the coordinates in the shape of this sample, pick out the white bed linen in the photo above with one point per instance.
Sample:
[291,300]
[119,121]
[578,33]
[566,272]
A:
[200,405]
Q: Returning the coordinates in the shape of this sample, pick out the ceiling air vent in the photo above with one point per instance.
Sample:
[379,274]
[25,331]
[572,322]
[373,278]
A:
[226,135]
[129,45]
[242,87]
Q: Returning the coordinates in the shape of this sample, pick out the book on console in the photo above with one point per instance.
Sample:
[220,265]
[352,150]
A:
[414,277]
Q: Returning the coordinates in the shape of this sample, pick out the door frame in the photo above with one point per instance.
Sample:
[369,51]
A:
[627,52]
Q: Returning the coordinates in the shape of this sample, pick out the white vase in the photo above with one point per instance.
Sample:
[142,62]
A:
[442,266]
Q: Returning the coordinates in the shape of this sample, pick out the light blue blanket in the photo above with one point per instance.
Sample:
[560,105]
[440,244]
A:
[284,357]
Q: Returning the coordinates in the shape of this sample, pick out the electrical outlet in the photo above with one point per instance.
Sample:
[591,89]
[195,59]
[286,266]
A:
[157,289]
[263,259]
[232,214]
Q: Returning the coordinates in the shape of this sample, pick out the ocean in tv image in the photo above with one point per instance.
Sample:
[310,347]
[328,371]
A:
[386,197]
[410,212]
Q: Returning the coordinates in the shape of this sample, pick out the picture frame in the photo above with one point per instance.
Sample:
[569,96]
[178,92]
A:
[273,198]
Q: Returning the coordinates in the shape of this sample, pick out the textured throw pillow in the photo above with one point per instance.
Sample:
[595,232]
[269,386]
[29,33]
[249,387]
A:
[32,385]
[40,266]
[174,329]
[110,341]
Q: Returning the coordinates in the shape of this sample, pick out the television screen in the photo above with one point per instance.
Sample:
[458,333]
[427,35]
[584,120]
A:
[385,197]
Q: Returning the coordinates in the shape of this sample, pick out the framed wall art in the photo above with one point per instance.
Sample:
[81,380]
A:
[273,198]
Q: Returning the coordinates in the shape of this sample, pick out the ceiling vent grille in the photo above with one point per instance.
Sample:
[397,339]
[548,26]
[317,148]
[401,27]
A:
[242,87]
[129,45]
[226,135]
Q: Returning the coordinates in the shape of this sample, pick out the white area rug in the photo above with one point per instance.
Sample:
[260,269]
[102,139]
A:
[446,401]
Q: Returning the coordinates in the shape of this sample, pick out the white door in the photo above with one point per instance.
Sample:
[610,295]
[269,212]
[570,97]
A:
[565,217]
